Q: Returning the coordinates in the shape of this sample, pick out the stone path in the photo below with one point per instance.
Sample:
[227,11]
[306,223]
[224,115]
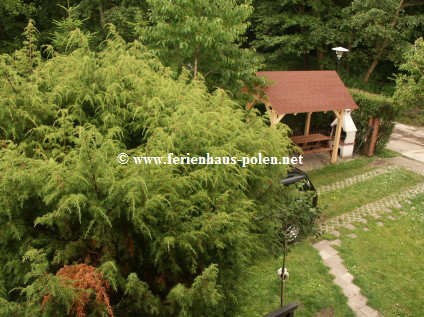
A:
[412,165]
[342,278]
[330,256]
[374,208]
[355,179]
[408,141]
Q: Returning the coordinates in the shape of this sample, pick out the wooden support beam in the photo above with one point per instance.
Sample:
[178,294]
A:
[308,123]
[250,105]
[339,114]
[280,117]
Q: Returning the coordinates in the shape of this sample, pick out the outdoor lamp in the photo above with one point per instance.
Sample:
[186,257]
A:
[339,51]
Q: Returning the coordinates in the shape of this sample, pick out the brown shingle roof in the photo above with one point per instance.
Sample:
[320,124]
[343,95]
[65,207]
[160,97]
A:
[307,91]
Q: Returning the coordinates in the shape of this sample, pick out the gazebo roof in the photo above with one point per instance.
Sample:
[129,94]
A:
[307,91]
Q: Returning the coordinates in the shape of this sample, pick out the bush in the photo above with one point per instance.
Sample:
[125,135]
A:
[377,106]
[162,240]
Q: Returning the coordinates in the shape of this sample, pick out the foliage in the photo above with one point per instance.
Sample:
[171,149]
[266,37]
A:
[293,27]
[377,106]
[83,279]
[382,29]
[204,38]
[169,239]
[410,85]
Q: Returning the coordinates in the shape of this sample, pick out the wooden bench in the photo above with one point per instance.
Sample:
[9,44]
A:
[316,140]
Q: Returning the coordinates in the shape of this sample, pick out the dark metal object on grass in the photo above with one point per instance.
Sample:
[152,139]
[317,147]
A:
[285,311]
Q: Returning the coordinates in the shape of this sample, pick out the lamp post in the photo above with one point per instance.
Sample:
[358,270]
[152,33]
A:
[339,51]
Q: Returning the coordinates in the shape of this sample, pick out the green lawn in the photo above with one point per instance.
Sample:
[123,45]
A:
[388,262]
[349,198]
[310,285]
[337,172]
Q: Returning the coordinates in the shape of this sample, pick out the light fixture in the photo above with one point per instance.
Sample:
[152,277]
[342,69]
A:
[339,51]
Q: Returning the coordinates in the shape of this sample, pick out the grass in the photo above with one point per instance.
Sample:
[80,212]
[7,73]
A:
[310,285]
[386,153]
[349,198]
[388,262]
[337,172]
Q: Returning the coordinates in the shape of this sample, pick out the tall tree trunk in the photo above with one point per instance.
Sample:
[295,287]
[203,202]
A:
[382,46]
[370,70]
[101,14]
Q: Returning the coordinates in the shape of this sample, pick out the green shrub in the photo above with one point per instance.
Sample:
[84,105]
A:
[377,106]
[167,240]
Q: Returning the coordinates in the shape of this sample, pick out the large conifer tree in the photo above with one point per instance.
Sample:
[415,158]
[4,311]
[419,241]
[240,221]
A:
[149,240]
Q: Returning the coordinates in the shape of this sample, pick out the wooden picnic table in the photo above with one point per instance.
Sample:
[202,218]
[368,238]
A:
[303,141]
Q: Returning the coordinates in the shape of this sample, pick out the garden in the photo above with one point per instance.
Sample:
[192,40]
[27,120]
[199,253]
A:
[91,89]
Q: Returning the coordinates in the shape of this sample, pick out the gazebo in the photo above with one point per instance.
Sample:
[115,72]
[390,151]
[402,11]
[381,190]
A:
[296,92]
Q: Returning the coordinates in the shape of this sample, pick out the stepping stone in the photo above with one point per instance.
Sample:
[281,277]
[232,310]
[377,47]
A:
[347,277]
[352,235]
[362,220]
[380,224]
[403,213]
[336,242]
[320,245]
[387,210]
[350,226]
[376,216]
[338,270]
[369,312]
[365,229]
[333,261]
[391,218]
[397,206]
[357,302]
[335,233]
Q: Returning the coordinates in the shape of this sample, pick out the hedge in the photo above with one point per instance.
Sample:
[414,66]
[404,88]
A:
[373,105]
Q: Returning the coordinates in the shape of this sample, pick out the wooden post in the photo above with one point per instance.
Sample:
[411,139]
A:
[308,123]
[339,114]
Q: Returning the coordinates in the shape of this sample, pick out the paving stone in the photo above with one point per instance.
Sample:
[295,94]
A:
[369,312]
[324,255]
[376,216]
[377,207]
[380,224]
[351,290]
[365,229]
[355,179]
[338,270]
[357,302]
[347,277]
[321,244]
[333,261]
[335,233]
[337,242]
[331,251]
[350,226]
[352,235]
[387,210]
[362,220]
[391,218]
